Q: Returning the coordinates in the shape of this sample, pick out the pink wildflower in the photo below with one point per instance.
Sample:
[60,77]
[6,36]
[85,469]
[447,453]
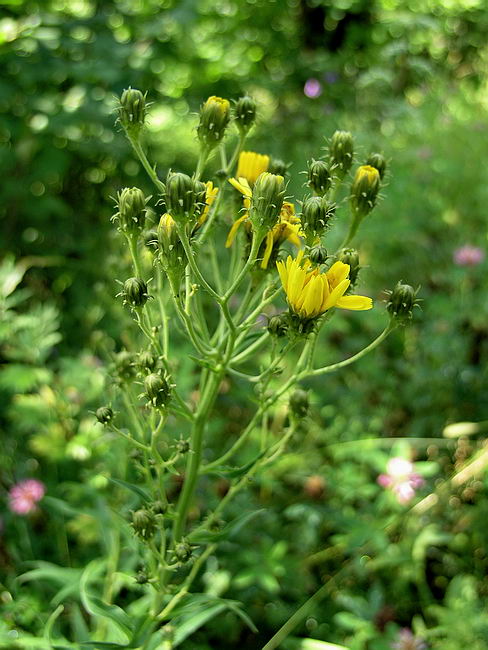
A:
[468,255]
[407,641]
[400,479]
[24,495]
[312,88]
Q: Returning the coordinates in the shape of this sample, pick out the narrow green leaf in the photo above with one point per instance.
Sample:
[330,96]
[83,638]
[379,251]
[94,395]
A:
[133,488]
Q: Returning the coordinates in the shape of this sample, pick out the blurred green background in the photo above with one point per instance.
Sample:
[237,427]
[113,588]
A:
[407,78]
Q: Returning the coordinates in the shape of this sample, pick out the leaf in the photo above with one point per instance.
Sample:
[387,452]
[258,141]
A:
[95,606]
[134,488]
[228,531]
[193,622]
[236,472]
[312,644]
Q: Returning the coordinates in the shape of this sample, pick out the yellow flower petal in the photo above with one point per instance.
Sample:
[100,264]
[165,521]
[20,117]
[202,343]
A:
[337,273]
[335,294]
[268,250]
[358,303]
[241,186]
[233,231]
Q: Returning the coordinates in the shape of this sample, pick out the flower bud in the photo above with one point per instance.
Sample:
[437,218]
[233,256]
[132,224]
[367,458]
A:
[267,201]
[183,446]
[147,361]
[245,113]
[159,507]
[319,179]
[278,325]
[402,300]
[318,254]
[134,293]
[132,210]
[124,365]
[180,197]
[341,152]
[214,118]
[350,256]
[200,190]
[141,578]
[316,214]
[132,110]
[171,252]
[378,161]
[364,190]
[144,523]
[299,403]
[157,390]
[104,414]
[277,166]
[183,551]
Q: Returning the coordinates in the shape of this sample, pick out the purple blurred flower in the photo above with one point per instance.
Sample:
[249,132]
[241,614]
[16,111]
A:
[312,88]
[468,255]
[24,495]
[407,641]
[400,479]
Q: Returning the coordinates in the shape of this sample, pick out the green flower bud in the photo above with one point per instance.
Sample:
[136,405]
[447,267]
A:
[180,197]
[157,390]
[183,446]
[132,210]
[132,110]
[214,118]
[364,190]
[299,403]
[316,214]
[245,113]
[378,161]
[134,293]
[341,151]
[401,302]
[141,578]
[318,254]
[277,166]
[200,190]
[183,551]
[267,200]
[104,414]
[351,256]
[159,507]
[147,361]
[319,179]
[171,252]
[144,523]
[278,325]
[124,366]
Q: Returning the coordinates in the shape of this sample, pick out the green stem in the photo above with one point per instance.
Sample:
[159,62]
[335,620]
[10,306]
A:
[298,617]
[151,172]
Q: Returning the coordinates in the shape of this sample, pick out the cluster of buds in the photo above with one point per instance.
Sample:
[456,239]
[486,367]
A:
[401,303]
[134,293]
[157,390]
[131,214]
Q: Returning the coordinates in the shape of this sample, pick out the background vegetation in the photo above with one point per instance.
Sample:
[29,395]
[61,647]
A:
[408,79]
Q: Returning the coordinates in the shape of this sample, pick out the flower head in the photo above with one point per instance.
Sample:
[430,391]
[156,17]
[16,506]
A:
[312,88]
[401,479]
[406,640]
[310,293]
[24,495]
[214,118]
[468,255]
[251,165]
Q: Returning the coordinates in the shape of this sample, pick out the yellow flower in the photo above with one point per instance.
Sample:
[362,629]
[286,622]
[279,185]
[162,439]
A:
[210,196]
[311,293]
[251,165]
[287,228]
